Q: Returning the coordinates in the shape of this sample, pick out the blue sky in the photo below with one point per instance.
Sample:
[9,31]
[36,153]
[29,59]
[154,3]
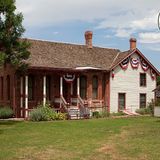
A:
[112,22]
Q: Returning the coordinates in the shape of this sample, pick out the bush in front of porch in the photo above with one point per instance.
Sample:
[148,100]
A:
[46,113]
[5,112]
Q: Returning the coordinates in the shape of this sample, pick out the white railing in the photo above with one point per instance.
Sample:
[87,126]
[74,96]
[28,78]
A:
[84,110]
[63,103]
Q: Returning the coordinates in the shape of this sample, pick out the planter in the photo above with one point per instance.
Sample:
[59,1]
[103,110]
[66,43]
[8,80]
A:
[157,111]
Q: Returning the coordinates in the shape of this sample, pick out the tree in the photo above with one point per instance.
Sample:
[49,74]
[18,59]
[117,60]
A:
[158,80]
[13,49]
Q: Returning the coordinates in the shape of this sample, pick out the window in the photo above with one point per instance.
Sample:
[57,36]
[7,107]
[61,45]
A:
[8,87]
[83,86]
[1,88]
[30,88]
[142,100]
[95,87]
[121,101]
[48,85]
[142,79]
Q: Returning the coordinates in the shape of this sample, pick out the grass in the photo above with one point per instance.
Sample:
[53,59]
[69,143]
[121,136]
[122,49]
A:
[96,139]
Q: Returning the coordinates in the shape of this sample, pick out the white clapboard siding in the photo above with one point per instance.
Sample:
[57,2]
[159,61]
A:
[127,81]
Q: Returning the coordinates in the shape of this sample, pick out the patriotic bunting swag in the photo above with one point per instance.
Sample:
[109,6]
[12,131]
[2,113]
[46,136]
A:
[144,65]
[134,62]
[124,64]
[69,78]
[153,75]
[112,73]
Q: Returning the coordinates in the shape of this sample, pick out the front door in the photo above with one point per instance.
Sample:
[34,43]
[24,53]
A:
[67,91]
[121,101]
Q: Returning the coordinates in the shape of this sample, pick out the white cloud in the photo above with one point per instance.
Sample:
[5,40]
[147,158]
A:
[124,17]
[123,33]
[130,23]
[112,13]
[156,48]
[149,37]
[55,33]
[148,22]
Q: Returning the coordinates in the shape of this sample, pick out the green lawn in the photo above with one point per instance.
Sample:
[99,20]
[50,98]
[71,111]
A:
[96,139]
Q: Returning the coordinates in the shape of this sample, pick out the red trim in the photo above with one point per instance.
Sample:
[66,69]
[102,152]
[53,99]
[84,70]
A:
[124,101]
[132,52]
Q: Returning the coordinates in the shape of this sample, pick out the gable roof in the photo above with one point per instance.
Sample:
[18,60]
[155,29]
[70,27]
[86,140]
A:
[69,56]
[128,53]
[45,54]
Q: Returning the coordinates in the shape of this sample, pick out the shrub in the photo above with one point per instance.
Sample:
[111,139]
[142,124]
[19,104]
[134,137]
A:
[60,116]
[96,114]
[45,113]
[151,107]
[157,102]
[118,114]
[104,114]
[42,113]
[6,112]
[37,115]
[144,111]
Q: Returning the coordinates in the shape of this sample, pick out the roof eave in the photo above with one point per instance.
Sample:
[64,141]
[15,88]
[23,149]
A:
[132,52]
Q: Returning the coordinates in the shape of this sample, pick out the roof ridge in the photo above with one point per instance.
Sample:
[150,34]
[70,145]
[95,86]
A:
[68,43]
[114,59]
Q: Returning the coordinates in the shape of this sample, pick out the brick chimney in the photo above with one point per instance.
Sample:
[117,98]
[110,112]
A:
[132,43]
[88,38]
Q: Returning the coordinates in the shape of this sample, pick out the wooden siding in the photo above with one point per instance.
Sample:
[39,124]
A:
[127,81]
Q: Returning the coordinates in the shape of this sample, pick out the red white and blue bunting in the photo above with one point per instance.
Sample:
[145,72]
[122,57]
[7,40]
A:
[112,73]
[144,65]
[153,74]
[124,64]
[134,62]
[69,78]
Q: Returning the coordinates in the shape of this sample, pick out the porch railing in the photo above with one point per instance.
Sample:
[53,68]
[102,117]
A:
[63,104]
[84,110]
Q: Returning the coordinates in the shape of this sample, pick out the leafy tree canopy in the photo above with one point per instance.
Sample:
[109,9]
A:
[13,49]
[158,80]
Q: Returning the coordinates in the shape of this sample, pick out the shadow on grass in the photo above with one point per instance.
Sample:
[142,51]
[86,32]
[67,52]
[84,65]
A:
[6,122]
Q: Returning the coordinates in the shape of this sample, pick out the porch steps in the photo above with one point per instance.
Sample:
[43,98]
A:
[74,112]
[130,113]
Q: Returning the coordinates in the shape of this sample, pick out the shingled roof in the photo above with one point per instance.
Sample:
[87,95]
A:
[71,56]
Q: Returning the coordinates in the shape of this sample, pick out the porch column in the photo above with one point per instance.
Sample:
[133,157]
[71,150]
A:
[44,90]
[21,94]
[78,87]
[61,86]
[71,88]
[26,96]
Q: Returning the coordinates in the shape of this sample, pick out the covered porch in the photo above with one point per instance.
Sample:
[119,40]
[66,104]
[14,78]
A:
[65,90]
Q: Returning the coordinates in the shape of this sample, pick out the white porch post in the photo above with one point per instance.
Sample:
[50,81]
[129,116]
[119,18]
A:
[26,96]
[44,90]
[61,86]
[78,87]
[21,93]
[71,88]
